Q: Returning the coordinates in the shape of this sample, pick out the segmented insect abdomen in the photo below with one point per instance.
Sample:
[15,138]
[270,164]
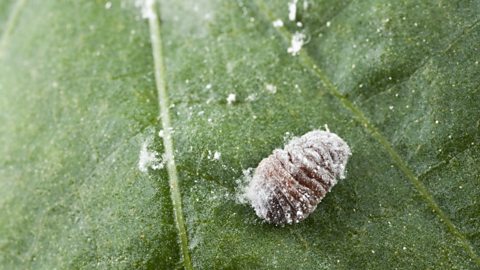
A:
[288,185]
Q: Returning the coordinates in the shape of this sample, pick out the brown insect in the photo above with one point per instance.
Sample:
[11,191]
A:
[288,185]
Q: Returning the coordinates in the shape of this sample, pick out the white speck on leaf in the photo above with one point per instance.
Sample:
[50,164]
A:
[242,184]
[251,97]
[328,24]
[217,155]
[271,88]
[292,10]
[277,23]
[287,137]
[208,16]
[305,4]
[208,86]
[231,99]
[326,128]
[108,5]
[298,39]
[149,158]
[147,8]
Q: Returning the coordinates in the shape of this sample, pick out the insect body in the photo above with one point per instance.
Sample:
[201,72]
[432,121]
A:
[287,185]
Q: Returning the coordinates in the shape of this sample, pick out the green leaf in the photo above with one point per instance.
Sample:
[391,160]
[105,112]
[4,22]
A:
[84,84]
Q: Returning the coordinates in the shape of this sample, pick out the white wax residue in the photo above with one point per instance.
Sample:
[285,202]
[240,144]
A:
[298,39]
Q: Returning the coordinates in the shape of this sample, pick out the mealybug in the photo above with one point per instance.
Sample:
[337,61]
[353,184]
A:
[287,186]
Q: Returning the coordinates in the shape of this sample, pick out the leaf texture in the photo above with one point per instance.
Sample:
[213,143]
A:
[398,80]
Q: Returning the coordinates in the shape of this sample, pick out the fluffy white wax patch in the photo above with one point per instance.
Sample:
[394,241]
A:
[292,10]
[249,191]
[147,8]
[149,158]
[296,44]
[257,192]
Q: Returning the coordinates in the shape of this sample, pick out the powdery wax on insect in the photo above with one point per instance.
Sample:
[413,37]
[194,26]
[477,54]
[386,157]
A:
[288,185]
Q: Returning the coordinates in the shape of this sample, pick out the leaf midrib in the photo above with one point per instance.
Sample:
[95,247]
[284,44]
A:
[160,82]
[309,63]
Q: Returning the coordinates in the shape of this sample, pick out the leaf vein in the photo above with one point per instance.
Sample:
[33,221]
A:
[444,162]
[159,70]
[426,60]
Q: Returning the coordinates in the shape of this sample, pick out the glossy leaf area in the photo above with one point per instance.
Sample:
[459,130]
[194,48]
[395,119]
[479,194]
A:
[397,80]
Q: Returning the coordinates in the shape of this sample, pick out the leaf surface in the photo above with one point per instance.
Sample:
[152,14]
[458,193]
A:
[398,80]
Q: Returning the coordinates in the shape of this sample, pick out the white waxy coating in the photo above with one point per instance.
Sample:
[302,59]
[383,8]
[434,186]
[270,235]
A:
[296,44]
[287,185]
